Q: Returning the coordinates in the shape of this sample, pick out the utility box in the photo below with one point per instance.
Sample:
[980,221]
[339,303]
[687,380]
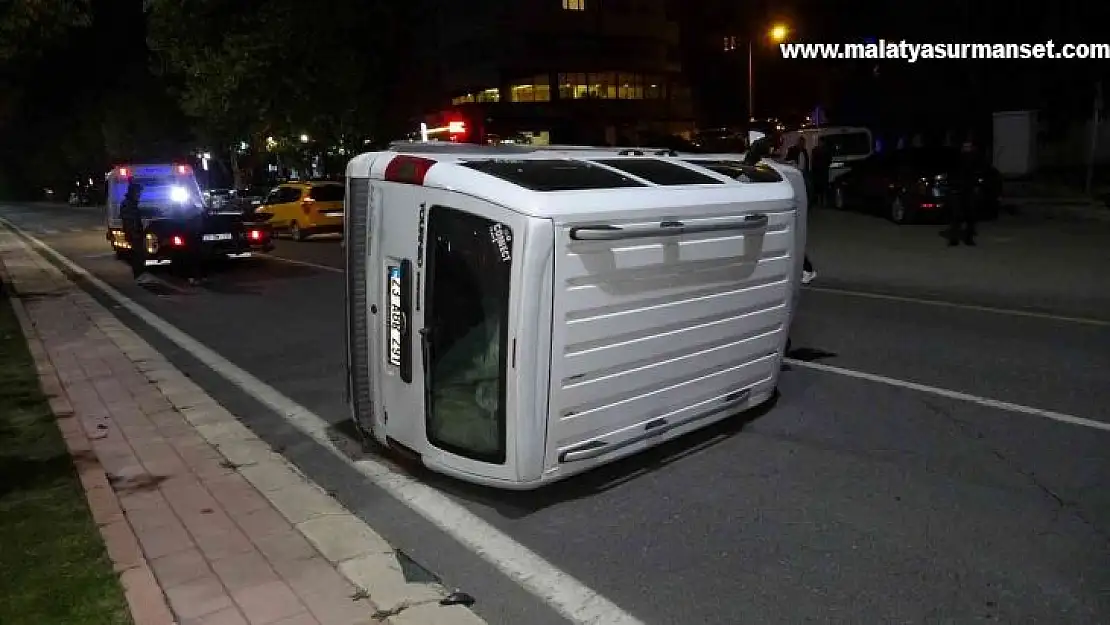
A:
[1015,143]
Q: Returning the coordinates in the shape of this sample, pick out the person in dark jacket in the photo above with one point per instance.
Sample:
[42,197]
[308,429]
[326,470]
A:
[193,256]
[132,218]
[964,207]
[820,164]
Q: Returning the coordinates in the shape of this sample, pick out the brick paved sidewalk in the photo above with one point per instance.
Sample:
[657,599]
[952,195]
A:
[204,522]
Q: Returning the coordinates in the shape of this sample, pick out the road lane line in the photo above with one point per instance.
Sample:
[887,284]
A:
[1013,312]
[957,395]
[559,590]
[303,263]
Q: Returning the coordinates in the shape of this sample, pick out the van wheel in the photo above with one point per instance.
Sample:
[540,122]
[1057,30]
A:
[295,231]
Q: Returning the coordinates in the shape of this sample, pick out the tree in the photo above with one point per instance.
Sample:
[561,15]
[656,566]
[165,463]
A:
[28,27]
[251,69]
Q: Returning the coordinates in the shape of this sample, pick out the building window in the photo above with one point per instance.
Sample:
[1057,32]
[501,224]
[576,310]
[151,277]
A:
[532,89]
[574,5]
[730,43]
[611,86]
[486,95]
[630,87]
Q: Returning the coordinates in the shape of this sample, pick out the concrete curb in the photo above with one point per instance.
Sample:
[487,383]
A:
[147,602]
[359,553]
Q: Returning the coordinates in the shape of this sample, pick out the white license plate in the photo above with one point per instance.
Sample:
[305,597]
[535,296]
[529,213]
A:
[396,322]
[222,236]
[333,214]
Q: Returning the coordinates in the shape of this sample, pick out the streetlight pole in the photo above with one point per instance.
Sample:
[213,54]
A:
[777,34]
[751,81]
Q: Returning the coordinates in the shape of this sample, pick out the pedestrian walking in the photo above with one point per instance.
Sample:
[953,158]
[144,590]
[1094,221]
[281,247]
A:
[964,203]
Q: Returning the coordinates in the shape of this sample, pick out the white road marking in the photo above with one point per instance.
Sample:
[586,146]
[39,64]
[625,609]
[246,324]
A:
[944,304]
[565,594]
[957,395]
[303,263]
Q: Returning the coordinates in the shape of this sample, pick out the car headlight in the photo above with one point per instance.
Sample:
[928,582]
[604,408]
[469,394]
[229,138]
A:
[179,194]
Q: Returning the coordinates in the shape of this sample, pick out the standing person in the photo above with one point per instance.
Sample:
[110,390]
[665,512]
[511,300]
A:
[760,148]
[132,218]
[193,256]
[965,205]
[798,156]
[819,172]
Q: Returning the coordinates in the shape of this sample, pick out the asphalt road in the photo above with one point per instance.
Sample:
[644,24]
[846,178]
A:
[849,500]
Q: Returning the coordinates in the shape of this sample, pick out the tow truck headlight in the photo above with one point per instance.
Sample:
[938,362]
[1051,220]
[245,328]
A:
[179,194]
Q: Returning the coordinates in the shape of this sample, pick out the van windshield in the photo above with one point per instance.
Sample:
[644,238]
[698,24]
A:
[467,300]
[161,194]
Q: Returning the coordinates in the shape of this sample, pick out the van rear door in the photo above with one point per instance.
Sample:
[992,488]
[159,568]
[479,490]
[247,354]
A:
[449,263]
[660,321]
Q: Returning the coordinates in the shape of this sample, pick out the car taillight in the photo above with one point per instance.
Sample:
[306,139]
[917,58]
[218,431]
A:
[177,241]
[255,235]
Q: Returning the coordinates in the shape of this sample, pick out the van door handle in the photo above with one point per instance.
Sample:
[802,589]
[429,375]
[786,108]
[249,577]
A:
[757,221]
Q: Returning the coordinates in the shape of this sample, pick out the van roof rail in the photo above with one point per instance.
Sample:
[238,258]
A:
[450,147]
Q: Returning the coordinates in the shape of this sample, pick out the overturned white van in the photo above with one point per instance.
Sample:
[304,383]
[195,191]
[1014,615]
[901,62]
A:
[517,316]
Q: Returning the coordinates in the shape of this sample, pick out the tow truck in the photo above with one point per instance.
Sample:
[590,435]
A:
[169,199]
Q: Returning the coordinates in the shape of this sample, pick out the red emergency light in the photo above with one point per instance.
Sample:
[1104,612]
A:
[456,127]
[408,169]
[182,169]
[255,235]
[123,173]
[177,241]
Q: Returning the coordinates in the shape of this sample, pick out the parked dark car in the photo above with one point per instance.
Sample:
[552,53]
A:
[915,185]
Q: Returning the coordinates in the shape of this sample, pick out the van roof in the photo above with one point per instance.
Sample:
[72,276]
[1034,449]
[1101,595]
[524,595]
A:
[832,130]
[559,181]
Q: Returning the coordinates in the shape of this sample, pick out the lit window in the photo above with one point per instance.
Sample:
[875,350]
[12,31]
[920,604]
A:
[533,89]
[630,87]
[602,86]
[730,44]
[574,5]
[462,99]
[611,86]
[572,86]
[489,95]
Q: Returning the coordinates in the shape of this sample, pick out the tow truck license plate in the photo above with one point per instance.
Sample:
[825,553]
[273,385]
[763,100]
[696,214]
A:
[222,236]
[396,324]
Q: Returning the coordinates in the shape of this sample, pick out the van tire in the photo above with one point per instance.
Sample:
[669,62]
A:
[295,231]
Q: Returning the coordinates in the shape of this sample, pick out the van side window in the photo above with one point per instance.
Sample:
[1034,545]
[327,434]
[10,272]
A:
[466,317]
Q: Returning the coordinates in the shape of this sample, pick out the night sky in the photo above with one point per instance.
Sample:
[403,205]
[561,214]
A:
[109,62]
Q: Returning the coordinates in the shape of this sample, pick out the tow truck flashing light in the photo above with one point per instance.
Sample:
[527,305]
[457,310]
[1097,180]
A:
[454,130]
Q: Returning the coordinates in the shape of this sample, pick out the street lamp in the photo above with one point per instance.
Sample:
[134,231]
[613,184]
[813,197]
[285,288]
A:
[304,138]
[777,34]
